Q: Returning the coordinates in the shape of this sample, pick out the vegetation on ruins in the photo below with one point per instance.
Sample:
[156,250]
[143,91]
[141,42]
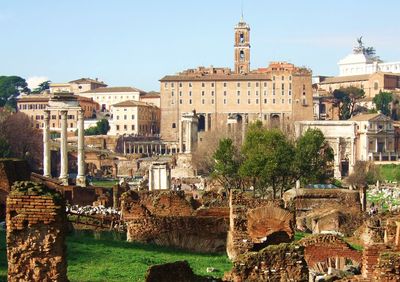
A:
[10,88]
[101,128]
[270,162]
[18,139]
[346,99]
[382,102]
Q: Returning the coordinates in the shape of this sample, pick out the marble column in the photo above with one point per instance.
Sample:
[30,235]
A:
[63,149]
[81,178]
[46,145]
[188,137]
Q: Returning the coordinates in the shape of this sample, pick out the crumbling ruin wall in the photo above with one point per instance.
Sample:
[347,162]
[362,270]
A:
[315,208]
[199,234]
[256,223]
[35,234]
[320,248]
[167,218]
[283,262]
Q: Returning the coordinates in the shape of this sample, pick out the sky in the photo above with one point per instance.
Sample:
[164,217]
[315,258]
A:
[135,43]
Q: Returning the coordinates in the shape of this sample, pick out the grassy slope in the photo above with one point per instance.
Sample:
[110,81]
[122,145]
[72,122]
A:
[388,171]
[106,259]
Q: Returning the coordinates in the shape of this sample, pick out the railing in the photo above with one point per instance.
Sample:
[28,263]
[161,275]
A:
[110,222]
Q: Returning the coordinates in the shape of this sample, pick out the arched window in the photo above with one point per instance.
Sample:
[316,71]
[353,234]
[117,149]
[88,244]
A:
[241,38]
[241,55]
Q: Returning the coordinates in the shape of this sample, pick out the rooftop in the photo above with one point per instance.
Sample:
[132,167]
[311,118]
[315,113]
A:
[339,79]
[131,103]
[368,117]
[88,80]
[115,90]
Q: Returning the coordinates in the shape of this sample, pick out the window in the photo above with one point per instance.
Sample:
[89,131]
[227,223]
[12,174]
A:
[248,84]
[190,101]
[256,93]
[202,84]
[273,85]
[190,93]
[238,92]
[172,93]
[290,92]
[224,93]
[290,77]
[265,101]
[124,117]
[283,86]
[180,84]
[180,93]
[180,101]
[273,101]
[173,125]
[212,101]
[117,127]
[224,84]
[265,84]
[241,55]
[224,101]
[172,84]
[238,101]
[290,101]
[202,93]
[117,117]
[257,101]
[249,101]
[212,84]
[203,101]
[283,78]
[376,85]
[265,92]
[212,93]
[283,101]
[304,87]
[248,93]
[125,127]
[256,84]
[133,127]
[283,92]
[190,84]
[133,117]
[273,78]
[238,84]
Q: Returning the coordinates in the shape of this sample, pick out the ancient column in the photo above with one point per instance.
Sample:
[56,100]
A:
[46,145]
[63,149]
[180,138]
[188,137]
[81,178]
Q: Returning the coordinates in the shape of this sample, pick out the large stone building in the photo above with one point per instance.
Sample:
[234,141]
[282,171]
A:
[108,96]
[277,95]
[135,118]
[34,106]
[368,137]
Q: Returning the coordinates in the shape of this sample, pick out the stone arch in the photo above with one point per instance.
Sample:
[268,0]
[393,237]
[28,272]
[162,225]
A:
[275,121]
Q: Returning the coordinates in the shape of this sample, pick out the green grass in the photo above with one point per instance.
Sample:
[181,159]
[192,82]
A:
[109,259]
[298,235]
[104,183]
[389,171]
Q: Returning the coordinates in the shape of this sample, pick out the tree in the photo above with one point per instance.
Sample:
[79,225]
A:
[101,128]
[42,87]
[5,151]
[364,173]
[10,88]
[268,159]
[24,141]
[382,102]
[313,157]
[346,99]
[227,163]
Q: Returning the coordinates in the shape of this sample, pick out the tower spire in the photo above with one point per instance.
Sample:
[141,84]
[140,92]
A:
[242,18]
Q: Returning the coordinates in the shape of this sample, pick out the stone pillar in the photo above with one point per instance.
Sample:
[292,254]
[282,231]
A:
[36,248]
[124,147]
[188,148]
[81,178]
[130,148]
[63,148]
[397,240]
[180,139]
[46,145]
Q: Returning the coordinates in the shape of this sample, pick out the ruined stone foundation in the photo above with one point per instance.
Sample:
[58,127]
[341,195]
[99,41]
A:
[35,234]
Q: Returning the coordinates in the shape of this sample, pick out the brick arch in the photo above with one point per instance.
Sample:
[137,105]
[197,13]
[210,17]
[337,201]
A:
[320,248]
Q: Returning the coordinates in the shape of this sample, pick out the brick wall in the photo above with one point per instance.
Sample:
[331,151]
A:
[254,221]
[35,235]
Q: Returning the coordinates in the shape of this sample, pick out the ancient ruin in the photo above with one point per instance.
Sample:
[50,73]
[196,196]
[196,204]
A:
[36,224]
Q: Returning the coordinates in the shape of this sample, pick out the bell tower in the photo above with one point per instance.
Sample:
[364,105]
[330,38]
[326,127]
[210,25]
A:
[242,47]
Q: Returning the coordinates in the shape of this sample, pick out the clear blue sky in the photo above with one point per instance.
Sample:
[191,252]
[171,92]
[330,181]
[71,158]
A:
[135,43]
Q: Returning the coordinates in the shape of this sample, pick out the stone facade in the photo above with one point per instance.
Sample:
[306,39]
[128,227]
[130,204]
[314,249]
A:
[276,95]
[36,224]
